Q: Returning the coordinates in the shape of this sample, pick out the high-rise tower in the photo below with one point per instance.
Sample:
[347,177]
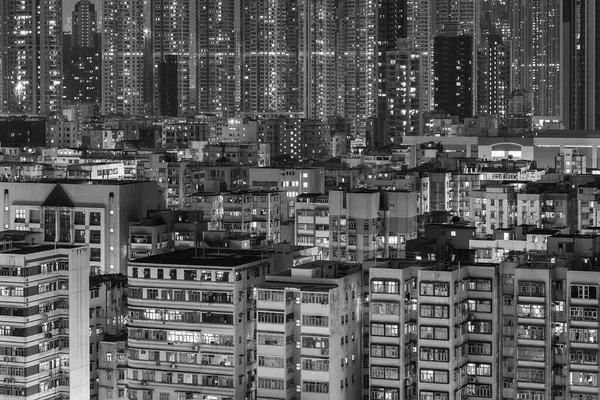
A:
[397,74]
[357,41]
[84,23]
[82,56]
[31,56]
[421,22]
[216,57]
[453,75]
[580,48]
[269,56]
[535,53]
[318,57]
[171,41]
[123,81]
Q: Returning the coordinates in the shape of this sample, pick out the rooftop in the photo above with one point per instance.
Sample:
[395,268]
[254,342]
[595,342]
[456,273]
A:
[206,257]
[36,249]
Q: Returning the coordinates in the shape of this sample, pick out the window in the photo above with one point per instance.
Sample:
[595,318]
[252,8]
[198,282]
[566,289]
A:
[315,364]
[429,395]
[435,289]
[385,308]
[315,298]
[95,218]
[314,342]
[315,387]
[479,369]
[484,327]
[385,286]
[531,332]
[530,395]
[434,332]
[434,311]
[479,348]
[315,320]
[482,306]
[588,357]
[531,354]
[20,215]
[384,372]
[270,317]
[479,285]
[270,362]
[433,354]
[531,310]
[579,335]
[583,313]
[535,375]
[476,390]
[380,329]
[271,295]
[434,376]
[270,383]
[384,351]
[380,393]
[270,339]
[584,291]
[589,379]
[531,289]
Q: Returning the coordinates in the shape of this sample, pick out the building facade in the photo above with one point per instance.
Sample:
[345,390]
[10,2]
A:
[192,325]
[123,42]
[93,214]
[31,57]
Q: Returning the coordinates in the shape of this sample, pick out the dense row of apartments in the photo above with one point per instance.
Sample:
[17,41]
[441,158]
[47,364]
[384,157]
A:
[222,323]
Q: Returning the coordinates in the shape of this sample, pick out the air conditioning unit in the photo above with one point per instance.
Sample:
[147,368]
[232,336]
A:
[325,352]
[172,366]
[143,352]
[158,363]
[409,381]
[144,383]
[472,379]
[44,317]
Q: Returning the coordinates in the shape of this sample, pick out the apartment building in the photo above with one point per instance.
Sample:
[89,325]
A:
[549,344]
[92,213]
[253,213]
[432,331]
[529,208]
[570,162]
[192,323]
[494,207]
[366,224]
[586,206]
[435,192]
[462,185]
[290,181]
[308,338]
[312,222]
[164,231]
[44,323]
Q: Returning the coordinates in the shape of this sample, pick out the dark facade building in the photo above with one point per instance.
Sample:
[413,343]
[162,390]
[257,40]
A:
[579,52]
[22,131]
[171,40]
[453,71]
[82,56]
